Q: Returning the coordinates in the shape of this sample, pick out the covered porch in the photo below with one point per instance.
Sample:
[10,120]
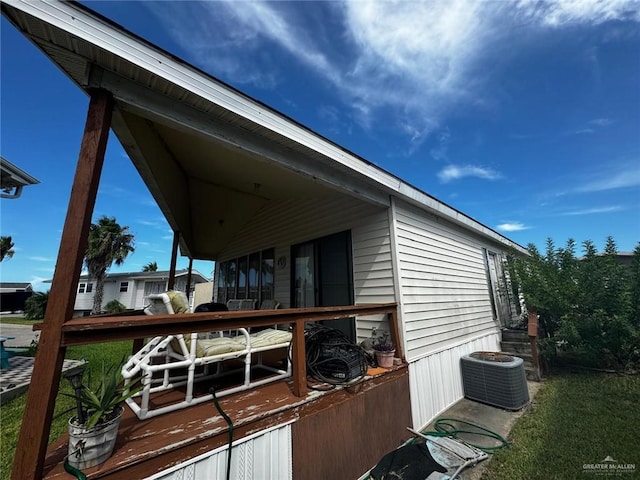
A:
[231,177]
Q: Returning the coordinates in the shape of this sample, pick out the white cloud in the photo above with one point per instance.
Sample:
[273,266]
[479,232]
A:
[592,211]
[601,122]
[512,227]
[612,176]
[41,259]
[561,12]
[456,172]
[411,61]
[627,178]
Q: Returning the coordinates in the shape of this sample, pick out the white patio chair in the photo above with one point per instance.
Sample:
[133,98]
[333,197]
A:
[169,356]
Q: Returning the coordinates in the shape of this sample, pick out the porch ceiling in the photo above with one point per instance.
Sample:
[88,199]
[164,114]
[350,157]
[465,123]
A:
[207,190]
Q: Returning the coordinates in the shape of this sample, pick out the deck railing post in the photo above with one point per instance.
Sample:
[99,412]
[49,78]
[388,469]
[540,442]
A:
[36,421]
[395,333]
[299,360]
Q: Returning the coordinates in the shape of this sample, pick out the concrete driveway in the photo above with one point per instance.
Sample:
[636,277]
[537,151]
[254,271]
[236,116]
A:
[23,335]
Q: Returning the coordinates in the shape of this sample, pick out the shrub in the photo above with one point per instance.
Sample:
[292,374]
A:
[114,306]
[588,306]
[36,305]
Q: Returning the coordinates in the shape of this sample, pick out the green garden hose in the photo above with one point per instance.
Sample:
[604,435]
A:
[448,427]
[73,471]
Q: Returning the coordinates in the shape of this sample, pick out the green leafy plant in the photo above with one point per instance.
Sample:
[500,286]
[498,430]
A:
[36,305]
[114,306]
[383,343]
[588,306]
[100,403]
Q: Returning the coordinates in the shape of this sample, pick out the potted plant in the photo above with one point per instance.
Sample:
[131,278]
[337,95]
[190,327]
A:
[385,351]
[93,430]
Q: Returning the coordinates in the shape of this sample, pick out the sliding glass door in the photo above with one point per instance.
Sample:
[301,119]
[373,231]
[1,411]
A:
[323,276]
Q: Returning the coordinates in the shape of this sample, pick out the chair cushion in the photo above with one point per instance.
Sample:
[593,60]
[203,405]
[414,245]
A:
[178,301]
[267,337]
[217,346]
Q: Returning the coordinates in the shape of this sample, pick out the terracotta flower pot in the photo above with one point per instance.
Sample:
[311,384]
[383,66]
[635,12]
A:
[385,358]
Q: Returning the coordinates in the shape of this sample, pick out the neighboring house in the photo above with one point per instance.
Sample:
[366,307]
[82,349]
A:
[13,179]
[203,293]
[289,215]
[13,295]
[131,288]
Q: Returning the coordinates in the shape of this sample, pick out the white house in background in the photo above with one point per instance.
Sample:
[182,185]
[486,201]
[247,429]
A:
[131,288]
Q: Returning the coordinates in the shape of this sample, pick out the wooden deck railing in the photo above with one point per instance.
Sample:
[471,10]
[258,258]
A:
[86,330]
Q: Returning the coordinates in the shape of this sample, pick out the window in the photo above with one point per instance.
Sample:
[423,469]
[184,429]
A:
[89,288]
[85,287]
[124,287]
[250,276]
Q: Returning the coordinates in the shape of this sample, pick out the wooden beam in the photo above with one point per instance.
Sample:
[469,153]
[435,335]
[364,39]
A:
[174,260]
[394,331]
[86,330]
[298,358]
[36,424]
[188,287]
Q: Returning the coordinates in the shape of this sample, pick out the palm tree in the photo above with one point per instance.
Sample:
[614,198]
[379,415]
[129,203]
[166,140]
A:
[6,248]
[108,243]
[150,267]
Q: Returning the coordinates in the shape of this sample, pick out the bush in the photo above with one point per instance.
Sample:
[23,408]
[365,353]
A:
[36,305]
[588,306]
[114,306]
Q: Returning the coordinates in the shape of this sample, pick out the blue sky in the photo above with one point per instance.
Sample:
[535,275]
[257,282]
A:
[524,115]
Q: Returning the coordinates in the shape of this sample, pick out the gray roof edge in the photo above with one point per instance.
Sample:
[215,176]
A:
[17,172]
[160,274]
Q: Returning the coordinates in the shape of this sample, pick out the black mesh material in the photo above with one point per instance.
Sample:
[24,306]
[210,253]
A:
[410,462]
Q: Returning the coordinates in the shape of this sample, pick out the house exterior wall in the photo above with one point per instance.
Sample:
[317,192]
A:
[282,224]
[435,381]
[373,278]
[263,455]
[202,293]
[444,291]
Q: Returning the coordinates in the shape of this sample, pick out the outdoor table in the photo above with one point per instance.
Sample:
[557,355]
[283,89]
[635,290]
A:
[4,355]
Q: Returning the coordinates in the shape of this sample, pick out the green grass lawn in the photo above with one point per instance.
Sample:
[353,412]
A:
[18,321]
[11,413]
[576,419]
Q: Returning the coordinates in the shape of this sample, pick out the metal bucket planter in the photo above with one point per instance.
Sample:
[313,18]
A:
[91,446]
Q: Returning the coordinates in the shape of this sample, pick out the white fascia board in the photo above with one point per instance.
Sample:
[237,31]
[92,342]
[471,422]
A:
[78,22]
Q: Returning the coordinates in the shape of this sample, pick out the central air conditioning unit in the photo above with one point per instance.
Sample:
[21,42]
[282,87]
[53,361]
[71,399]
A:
[496,379]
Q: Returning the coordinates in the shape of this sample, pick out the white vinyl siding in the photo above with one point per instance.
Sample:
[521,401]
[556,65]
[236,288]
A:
[372,268]
[443,283]
[289,222]
[435,381]
[266,454]
[283,223]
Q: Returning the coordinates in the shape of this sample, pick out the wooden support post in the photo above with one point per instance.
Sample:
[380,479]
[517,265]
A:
[36,423]
[532,331]
[174,260]
[188,287]
[395,333]
[299,360]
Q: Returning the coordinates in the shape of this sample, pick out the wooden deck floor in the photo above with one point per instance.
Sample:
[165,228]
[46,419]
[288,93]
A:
[150,446]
